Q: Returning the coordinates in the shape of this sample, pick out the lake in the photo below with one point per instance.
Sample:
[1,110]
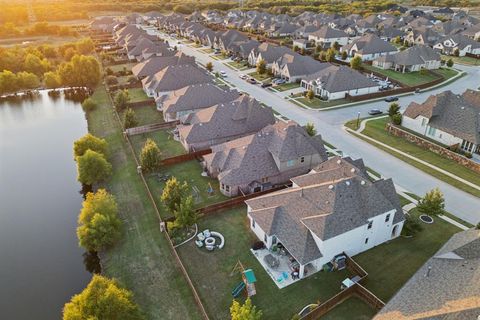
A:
[41,265]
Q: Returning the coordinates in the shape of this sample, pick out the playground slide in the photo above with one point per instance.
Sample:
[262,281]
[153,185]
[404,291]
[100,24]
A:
[238,289]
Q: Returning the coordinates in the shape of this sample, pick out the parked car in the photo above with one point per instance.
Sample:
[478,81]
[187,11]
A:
[223,74]
[243,76]
[252,81]
[280,81]
[391,99]
[375,112]
[266,84]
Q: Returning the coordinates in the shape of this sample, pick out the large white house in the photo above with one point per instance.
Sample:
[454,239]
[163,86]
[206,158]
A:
[327,36]
[448,118]
[414,58]
[333,209]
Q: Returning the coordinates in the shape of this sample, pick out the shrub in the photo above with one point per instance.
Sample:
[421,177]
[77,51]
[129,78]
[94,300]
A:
[411,226]
[109,71]
[111,80]
[397,119]
[468,155]
[88,105]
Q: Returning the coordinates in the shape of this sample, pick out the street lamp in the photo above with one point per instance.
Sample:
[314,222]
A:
[358,120]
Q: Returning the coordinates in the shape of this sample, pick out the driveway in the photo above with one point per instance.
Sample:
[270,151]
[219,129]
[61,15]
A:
[329,124]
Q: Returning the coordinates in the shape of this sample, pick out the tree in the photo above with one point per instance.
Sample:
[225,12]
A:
[27,80]
[111,80]
[89,105]
[336,46]
[121,99]
[393,110]
[261,66]
[92,167]
[103,298]
[323,55]
[8,82]
[397,40]
[356,63]
[209,66]
[129,119]
[85,46]
[80,71]
[456,52]
[344,55]
[247,311]
[89,142]
[150,156]
[310,129]
[36,65]
[310,94]
[173,193]
[432,203]
[52,80]
[330,55]
[185,214]
[450,63]
[397,119]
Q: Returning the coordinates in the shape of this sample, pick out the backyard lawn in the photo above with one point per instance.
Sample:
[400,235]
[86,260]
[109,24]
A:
[122,67]
[141,260]
[211,272]
[353,308]
[376,130]
[164,139]
[413,79]
[137,94]
[463,60]
[391,264]
[190,172]
[146,114]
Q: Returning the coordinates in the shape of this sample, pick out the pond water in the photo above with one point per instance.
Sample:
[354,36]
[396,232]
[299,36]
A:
[41,265]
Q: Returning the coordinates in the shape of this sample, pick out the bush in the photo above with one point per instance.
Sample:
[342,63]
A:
[88,105]
[132,79]
[468,155]
[111,80]
[109,71]
[411,226]
[397,119]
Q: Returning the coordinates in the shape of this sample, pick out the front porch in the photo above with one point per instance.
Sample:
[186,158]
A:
[283,271]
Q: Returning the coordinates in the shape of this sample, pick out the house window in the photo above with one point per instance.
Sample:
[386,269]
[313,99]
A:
[370,223]
[265,237]
[302,159]
[431,131]
[253,223]
[387,218]
[227,188]
[366,240]
[222,186]
[264,179]
[424,122]
[290,163]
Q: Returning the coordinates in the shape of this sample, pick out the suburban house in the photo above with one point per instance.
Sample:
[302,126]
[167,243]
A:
[458,43]
[331,210]
[422,36]
[414,58]
[369,47]
[327,36]
[155,64]
[335,82]
[451,119]
[145,48]
[305,31]
[267,52]
[445,287]
[103,24]
[192,98]
[368,24]
[473,32]
[294,67]
[172,78]
[223,122]
[264,159]
[228,38]
[242,49]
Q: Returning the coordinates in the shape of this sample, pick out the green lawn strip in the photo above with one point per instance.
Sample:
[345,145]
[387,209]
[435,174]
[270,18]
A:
[457,219]
[463,60]
[237,65]
[209,50]
[164,139]
[352,308]
[447,73]
[408,78]
[142,260]
[391,264]
[137,94]
[210,272]
[122,67]
[404,201]
[287,86]
[146,114]
[425,168]
[189,171]
[316,103]
[259,77]
[413,195]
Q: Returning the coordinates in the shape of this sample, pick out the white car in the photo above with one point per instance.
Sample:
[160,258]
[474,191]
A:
[223,74]
[243,76]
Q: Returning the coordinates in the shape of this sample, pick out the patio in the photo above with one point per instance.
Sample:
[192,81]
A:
[282,272]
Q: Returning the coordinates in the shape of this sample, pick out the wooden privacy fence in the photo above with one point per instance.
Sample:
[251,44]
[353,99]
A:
[331,303]
[367,296]
[151,127]
[115,87]
[149,102]
[355,268]
[185,157]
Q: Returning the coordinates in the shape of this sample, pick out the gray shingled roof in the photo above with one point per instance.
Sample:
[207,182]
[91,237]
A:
[369,44]
[176,77]
[155,64]
[450,291]
[415,55]
[333,199]
[197,96]
[242,116]
[326,32]
[340,78]
[243,161]
[458,115]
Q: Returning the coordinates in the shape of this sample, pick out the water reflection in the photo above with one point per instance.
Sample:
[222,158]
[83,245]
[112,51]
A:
[92,262]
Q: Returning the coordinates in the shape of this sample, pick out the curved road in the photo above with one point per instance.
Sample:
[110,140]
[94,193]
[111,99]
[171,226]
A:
[329,124]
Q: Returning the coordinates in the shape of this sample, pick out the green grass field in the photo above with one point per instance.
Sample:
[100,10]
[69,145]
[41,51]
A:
[164,140]
[141,260]
[137,94]
[146,114]
[413,79]
[259,77]
[463,60]
[316,103]
[287,86]
[376,130]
